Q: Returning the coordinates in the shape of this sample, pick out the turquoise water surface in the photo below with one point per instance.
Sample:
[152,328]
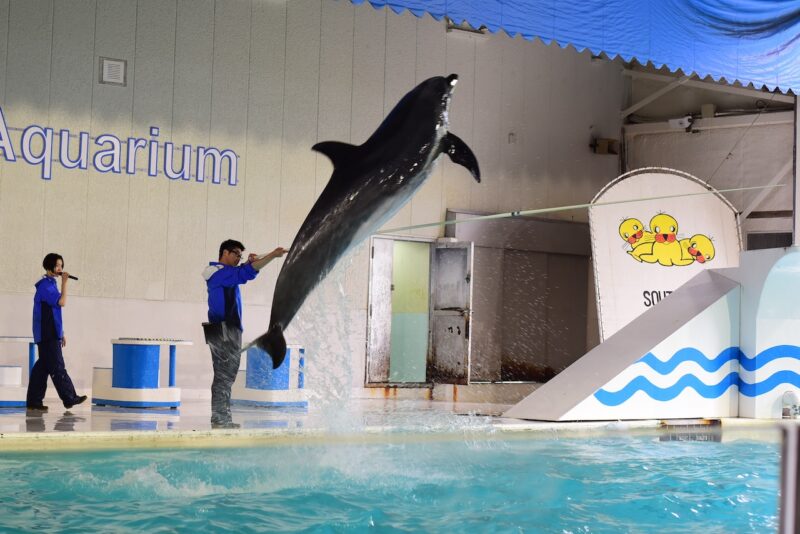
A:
[422,483]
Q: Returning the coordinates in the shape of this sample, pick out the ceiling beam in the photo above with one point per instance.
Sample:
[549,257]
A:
[766,191]
[718,87]
[658,94]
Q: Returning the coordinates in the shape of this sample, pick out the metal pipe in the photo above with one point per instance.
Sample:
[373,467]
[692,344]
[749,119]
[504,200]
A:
[789,479]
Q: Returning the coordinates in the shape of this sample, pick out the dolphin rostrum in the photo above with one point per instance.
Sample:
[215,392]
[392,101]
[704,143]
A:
[369,184]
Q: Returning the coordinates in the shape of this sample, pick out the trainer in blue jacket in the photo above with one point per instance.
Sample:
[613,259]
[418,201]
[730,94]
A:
[224,327]
[48,333]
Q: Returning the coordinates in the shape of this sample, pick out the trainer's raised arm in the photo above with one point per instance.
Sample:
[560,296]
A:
[260,261]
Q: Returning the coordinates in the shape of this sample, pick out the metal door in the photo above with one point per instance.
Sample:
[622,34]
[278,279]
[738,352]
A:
[451,312]
[379,322]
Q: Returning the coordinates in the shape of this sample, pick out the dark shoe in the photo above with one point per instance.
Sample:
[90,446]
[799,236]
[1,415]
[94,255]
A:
[74,402]
[36,407]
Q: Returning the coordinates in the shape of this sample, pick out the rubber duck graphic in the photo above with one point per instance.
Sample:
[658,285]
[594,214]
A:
[632,231]
[698,248]
[666,247]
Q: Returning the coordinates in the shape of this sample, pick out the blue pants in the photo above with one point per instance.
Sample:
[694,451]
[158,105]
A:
[50,363]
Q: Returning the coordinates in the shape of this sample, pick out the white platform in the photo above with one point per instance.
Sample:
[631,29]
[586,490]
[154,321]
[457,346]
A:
[104,394]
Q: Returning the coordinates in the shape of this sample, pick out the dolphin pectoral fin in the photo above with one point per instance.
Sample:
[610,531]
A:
[339,153]
[461,154]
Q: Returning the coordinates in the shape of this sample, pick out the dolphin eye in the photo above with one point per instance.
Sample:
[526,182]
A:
[635,226]
[657,229]
[626,234]
[694,245]
[672,228]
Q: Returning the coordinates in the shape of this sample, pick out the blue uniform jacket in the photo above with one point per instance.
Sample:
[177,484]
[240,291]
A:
[222,279]
[47,322]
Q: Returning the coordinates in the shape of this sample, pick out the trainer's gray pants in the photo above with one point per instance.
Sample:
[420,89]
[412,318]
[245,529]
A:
[225,355]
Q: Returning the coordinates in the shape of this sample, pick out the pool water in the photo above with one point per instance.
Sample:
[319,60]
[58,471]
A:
[409,484]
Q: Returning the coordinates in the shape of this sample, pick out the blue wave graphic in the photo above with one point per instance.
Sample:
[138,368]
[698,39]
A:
[708,391]
[759,388]
[767,355]
[640,383]
[691,354]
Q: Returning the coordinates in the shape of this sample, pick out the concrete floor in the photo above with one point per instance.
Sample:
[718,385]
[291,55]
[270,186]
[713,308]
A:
[194,416]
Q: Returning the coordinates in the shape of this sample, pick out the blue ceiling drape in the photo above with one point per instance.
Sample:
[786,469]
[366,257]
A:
[750,41]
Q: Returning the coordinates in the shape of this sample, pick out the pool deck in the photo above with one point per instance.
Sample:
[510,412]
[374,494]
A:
[91,427]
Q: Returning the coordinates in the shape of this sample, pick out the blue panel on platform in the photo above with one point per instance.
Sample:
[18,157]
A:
[135,366]
[261,375]
[135,404]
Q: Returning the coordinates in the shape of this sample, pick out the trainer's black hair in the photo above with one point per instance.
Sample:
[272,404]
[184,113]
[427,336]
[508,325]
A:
[230,245]
[49,261]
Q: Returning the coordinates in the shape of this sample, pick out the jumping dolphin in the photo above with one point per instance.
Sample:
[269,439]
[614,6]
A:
[369,184]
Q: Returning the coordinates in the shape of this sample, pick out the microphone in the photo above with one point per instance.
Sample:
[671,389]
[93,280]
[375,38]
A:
[72,277]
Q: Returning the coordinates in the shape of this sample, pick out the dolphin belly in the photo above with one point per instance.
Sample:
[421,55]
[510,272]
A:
[334,239]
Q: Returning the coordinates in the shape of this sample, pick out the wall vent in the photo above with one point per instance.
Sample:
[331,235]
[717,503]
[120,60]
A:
[762,240]
[113,71]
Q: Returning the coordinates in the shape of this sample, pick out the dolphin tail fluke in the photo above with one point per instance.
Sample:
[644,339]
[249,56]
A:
[274,344]
[461,154]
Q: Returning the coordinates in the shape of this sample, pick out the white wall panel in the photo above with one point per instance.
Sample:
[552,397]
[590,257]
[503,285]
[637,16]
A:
[301,105]
[70,108]
[3,80]
[605,98]
[4,28]
[23,190]
[537,117]
[230,72]
[108,196]
[264,141]
[427,203]
[512,147]
[487,128]
[601,88]
[146,264]
[369,56]
[456,181]
[187,251]
[335,81]
[562,129]
[400,76]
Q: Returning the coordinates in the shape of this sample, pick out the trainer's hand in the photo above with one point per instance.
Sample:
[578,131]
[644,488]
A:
[64,276]
[63,341]
[251,258]
[279,252]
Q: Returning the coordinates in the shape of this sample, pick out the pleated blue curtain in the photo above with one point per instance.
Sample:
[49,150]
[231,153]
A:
[751,41]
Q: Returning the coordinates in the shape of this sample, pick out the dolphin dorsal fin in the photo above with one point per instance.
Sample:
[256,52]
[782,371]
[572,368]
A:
[339,153]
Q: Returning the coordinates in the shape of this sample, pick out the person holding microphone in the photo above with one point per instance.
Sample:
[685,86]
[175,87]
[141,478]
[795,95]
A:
[48,333]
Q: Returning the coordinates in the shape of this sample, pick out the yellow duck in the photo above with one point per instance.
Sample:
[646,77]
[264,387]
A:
[641,241]
[667,249]
[697,248]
